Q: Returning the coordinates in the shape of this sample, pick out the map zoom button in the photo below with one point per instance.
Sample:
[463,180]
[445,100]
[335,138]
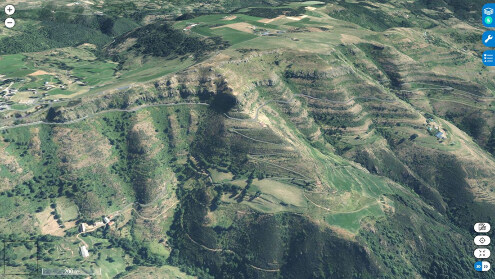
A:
[9,9]
[9,22]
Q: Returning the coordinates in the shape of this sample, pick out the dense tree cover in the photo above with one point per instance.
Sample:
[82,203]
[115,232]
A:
[223,101]
[491,142]
[473,125]
[141,168]
[126,9]
[64,26]
[52,114]
[163,40]
[404,235]
[107,23]
[299,247]
[476,126]
[368,16]
[50,35]
[461,8]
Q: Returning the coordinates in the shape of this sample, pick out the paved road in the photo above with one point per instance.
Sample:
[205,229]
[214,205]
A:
[95,114]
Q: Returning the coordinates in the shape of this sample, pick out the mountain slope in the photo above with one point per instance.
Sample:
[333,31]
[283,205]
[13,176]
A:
[324,149]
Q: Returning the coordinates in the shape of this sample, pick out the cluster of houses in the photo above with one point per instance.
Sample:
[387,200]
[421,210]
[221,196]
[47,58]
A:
[434,129]
[7,89]
[83,227]
[6,92]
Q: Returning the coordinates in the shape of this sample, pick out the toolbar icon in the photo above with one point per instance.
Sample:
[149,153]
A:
[489,58]
[482,227]
[482,253]
[482,266]
[488,14]
[482,240]
[489,38]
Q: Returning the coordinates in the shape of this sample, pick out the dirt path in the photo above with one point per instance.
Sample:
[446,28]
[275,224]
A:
[155,217]
[228,251]
[284,168]
[339,212]
[207,248]
[266,270]
[232,130]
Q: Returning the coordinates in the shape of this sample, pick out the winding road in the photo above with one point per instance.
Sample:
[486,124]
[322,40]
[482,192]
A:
[97,113]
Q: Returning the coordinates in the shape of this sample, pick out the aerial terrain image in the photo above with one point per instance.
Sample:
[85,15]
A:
[247,139]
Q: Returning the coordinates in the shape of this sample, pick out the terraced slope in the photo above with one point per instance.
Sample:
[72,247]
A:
[310,151]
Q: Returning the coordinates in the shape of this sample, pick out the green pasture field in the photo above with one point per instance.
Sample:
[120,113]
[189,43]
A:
[233,36]
[19,257]
[14,66]
[95,72]
[165,271]
[111,261]
[286,193]
[219,176]
[58,91]
[67,209]
[20,106]
[352,221]
[208,21]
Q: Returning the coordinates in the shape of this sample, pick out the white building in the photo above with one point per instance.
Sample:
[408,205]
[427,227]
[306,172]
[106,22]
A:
[82,228]
[84,251]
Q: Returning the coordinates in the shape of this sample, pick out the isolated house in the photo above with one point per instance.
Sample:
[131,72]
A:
[440,135]
[106,220]
[84,251]
[82,228]
[190,27]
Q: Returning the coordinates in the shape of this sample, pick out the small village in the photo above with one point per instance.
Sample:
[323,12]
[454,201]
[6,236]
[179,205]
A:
[35,88]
